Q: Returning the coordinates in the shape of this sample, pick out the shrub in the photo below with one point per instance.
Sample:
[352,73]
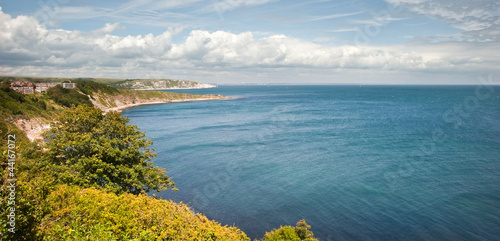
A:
[32,187]
[288,233]
[90,214]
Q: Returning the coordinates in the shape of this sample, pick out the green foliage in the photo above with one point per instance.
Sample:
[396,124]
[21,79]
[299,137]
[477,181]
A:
[5,87]
[90,214]
[288,233]
[90,87]
[32,187]
[14,104]
[103,165]
[68,97]
[11,100]
[90,149]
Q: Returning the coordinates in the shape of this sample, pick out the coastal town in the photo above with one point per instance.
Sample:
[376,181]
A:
[28,87]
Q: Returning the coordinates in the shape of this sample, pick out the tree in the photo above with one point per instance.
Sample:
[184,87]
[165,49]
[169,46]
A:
[68,97]
[91,149]
[288,233]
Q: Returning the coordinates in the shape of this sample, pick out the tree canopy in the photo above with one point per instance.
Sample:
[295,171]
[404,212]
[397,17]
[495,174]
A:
[68,97]
[91,149]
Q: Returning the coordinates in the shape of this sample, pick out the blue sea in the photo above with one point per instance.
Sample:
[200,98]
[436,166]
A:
[356,162]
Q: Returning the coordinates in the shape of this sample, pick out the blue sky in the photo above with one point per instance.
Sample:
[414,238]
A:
[254,41]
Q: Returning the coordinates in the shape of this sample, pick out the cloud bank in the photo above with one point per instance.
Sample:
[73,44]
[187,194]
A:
[30,48]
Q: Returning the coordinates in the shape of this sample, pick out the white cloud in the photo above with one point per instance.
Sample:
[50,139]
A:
[463,14]
[109,28]
[28,47]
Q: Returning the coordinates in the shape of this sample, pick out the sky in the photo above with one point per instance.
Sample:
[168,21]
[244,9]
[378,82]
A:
[255,41]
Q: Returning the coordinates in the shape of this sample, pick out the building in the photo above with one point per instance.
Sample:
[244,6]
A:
[28,87]
[42,87]
[21,83]
[22,86]
[69,85]
[24,89]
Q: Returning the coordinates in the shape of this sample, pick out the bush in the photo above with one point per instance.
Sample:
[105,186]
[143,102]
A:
[90,214]
[288,233]
[32,187]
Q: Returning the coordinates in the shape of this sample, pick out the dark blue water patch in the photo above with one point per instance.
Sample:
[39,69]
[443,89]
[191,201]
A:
[357,162]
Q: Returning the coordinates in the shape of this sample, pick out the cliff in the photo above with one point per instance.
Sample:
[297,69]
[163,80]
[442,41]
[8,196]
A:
[32,113]
[129,98]
[160,84]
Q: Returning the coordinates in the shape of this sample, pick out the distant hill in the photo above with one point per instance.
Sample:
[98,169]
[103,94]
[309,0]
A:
[156,84]
[136,84]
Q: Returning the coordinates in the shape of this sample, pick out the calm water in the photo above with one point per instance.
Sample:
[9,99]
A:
[357,162]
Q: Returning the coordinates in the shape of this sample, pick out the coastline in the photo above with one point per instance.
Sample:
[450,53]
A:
[161,86]
[181,88]
[33,128]
[126,106]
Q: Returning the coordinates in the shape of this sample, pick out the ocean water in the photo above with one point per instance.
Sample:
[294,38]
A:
[356,162]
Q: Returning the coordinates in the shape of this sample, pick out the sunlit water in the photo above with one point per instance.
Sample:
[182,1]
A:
[357,162]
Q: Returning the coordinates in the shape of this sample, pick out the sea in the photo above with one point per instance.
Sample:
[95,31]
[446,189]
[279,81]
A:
[357,162]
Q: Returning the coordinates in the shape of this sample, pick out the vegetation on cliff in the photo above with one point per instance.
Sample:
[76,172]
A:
[91,214]
[89,179]
[90,149]
[300,232]
[14,104]
[127,98]
[68,97]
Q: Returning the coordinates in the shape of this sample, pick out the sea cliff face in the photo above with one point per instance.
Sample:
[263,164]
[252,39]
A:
[130,98]
[123,99]
[161,84]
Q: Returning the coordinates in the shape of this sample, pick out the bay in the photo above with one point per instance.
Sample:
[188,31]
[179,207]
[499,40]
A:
[357,162]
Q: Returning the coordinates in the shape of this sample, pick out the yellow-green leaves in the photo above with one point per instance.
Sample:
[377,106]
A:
[90,214]
[288,233]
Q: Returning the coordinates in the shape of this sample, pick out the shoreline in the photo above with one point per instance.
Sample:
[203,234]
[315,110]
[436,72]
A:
[193,88]
[33,128]
[126,106]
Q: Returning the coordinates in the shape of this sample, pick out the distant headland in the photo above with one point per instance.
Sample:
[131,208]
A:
[58,93]
[134,84]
